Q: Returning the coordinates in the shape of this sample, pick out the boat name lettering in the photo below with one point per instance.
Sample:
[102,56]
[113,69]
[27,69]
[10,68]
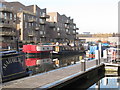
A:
[10,61]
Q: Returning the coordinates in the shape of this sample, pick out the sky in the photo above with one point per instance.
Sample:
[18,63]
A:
[95,16]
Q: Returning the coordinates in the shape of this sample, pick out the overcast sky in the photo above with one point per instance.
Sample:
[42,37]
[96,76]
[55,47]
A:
[95,16]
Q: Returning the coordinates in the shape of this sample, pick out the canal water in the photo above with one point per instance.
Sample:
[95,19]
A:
[112,83]
[20,66]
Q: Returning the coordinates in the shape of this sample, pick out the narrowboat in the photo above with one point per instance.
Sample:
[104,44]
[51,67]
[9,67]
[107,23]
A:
[65,50]
[37,50]
[8,53]
[13,67]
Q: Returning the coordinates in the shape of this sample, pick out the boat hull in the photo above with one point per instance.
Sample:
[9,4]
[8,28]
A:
[13,67]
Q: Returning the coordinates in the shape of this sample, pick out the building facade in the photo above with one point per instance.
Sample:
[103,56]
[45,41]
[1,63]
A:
[31,24]
[8,25]
[64,28]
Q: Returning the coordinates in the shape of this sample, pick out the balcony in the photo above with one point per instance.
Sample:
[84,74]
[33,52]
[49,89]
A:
[44,16]
[67,22]
[30,34]
[7,25]
[43,22]
[77,28]
[31,20]
[7,33]
[68,33]
[7,41]
[66,27]
[27,12]
[52,25]
[37,28]
[5,9]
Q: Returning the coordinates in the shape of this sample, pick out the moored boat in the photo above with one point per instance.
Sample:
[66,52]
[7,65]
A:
[10,53]
[37,50]
[65,50]
[13,67]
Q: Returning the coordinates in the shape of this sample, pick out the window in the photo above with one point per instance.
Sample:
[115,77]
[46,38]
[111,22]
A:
[50,18]
[44,32]
[54,29]
[0,14]
[41,32]
[30,24]
[24,16]
[11,16]
[25,24]
[66,30]
[1,5]
[20,9]
[5,15]
[58,34]
[42,27]
[54,18]
[14,16]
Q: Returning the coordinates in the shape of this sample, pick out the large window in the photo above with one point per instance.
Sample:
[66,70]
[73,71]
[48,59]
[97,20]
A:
[11,16]
[5,15]
[41,32]
[25,24]
[0,14]
[2,5]
[14,16]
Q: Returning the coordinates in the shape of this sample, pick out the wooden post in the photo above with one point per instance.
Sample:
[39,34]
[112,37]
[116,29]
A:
[118,70]
[83,65]
[99,57]
[107,55]
[97,86]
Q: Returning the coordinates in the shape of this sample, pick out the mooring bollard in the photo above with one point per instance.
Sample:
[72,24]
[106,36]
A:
[83,65]
[97,87]
[99,57]
[118,70]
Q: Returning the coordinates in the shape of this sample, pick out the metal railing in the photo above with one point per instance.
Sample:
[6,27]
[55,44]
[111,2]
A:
[8,33]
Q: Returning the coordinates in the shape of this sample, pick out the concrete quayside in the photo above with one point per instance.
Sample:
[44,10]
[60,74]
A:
[62,77]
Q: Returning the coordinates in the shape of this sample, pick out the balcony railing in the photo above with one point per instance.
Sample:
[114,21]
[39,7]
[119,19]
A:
[37,28]
[67,22]
[68,33]
[7,33]
[7,25]
[43,22]
[66,27]
[77,28]
[6,9]
[30,34]
[32,20]
[7,41]
[44,16]
[52,25]
[24,11]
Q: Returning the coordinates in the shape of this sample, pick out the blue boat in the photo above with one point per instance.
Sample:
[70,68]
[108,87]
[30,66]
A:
[10,53]
[13,67]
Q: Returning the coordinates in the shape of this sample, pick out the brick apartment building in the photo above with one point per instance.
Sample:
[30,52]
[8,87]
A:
[31,24]
[64,28]
[8,26]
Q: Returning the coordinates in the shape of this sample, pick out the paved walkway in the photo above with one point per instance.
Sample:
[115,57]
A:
[44,78]
[40,80]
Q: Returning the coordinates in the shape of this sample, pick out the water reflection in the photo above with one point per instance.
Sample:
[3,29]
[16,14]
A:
[44,64]
[20,65]
[38,65]
[107,83]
